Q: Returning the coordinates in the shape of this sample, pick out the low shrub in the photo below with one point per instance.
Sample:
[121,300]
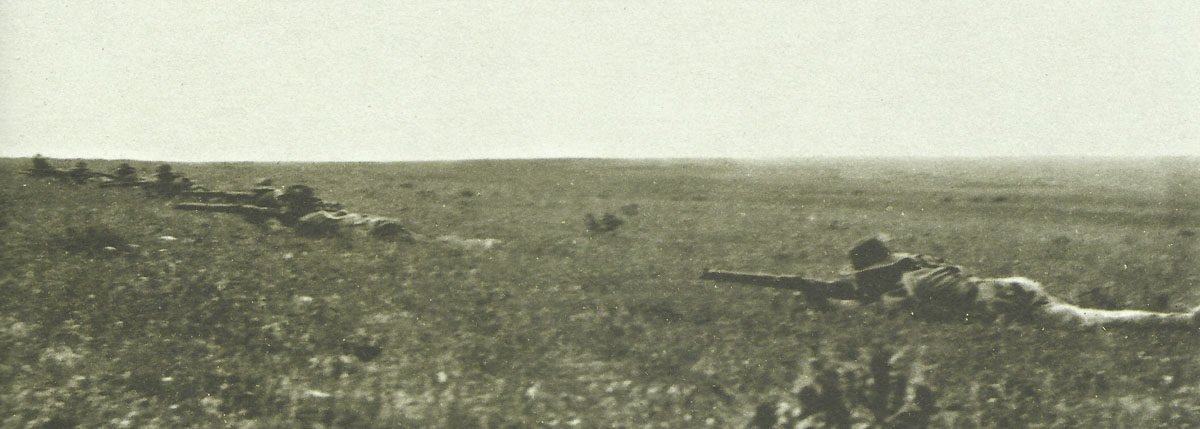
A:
[95,239]
[608,222]
[882,393]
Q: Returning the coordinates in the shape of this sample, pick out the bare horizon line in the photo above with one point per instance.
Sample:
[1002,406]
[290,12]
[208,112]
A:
[653,159]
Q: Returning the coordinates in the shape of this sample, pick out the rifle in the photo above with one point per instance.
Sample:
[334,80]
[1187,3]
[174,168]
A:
[66,174]
[811,288]
[230,196]
[249,211]
[124,184]
[47,172]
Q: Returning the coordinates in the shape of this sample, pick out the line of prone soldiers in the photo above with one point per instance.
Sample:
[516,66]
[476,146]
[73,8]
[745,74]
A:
[165,182]
[295,206]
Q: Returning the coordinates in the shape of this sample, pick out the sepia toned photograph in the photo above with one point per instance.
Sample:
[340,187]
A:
[609,214]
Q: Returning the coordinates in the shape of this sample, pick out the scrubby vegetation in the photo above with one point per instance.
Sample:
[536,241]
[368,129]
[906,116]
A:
[204,320]
[607,222]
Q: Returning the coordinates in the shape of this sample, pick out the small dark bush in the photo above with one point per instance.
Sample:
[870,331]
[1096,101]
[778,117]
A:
[97,239]
[999,199]
[660,310]
[365,347]
[606,223]
[467,193]
[850,394]
[630,209]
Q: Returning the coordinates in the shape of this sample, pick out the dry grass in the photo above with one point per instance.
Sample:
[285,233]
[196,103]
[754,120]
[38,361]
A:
[237,325]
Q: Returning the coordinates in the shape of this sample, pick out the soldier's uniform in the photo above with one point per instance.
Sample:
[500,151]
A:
[166,183]
[928,287]
[42,167]
[264,192]
[80,173]
[125,173]
[324,222]
[298,207]
[164,174]
[294,202]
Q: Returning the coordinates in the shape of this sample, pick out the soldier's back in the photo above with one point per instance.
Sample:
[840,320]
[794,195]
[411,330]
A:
[941,292]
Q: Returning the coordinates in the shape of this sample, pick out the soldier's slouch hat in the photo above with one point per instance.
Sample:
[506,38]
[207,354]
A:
[873,254]
[299,195]
[298,191]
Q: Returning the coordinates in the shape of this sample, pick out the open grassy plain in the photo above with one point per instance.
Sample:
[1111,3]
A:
[235,325]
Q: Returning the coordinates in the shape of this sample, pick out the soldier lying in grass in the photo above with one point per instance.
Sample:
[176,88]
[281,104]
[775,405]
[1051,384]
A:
[930,288]
[262,194]
[166,182]
[79,174]
[42,168]
[125,173]
[298,207]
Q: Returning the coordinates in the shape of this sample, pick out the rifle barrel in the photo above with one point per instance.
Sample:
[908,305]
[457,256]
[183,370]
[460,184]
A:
[119,184]
[794,283]
[227,208]
[230,196]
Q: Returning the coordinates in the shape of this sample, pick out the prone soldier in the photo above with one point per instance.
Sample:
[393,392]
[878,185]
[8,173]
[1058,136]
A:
[42,168]
[79,174]
[323,222]
[298,207]
[126,177]
[125,173]
[166,185]
[301,209]
[261,194]
[928,287]
[164,174]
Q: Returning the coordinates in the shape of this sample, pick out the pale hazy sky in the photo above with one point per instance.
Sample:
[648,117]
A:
[407,80]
